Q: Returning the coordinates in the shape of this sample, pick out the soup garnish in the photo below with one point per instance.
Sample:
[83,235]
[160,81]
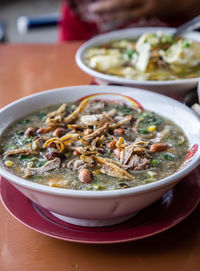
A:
[93,145]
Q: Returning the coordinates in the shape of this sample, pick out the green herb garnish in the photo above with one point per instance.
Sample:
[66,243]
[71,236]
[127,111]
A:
[186,43]
[130,53]
[155,162]
[41,115]
[143,131]
[24,121]
[168,156]
[25,157]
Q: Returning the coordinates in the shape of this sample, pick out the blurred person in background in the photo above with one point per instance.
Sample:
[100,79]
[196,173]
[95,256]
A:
[83,19]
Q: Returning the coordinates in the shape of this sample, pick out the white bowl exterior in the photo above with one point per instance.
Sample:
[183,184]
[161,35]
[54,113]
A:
[165,87]
[102,204]
[95,208]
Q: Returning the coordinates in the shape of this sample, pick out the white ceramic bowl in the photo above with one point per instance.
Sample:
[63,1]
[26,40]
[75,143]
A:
[98,208]
[165,87]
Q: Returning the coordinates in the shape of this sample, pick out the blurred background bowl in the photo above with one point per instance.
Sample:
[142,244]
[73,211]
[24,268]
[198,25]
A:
[168,87]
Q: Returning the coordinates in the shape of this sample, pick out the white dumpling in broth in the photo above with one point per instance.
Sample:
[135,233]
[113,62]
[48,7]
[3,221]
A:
[111,59]
[183,53]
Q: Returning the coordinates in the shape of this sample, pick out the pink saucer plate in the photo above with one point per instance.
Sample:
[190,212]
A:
[165,213]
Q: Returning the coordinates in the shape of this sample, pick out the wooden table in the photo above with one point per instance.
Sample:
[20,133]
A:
[26,69]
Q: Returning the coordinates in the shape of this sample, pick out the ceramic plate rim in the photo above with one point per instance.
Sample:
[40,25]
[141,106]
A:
[163,229]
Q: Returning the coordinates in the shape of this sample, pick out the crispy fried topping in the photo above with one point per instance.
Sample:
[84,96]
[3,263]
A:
[112,169]
[76,114]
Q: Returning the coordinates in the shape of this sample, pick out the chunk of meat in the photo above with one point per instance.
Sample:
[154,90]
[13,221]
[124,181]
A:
[117,152]
[97,119]
[76,164]
[96,106]
[20,151]
[50,165]
[138,163]
[53,154]
[135,156]
[126,153]
[38,143]
[81,150]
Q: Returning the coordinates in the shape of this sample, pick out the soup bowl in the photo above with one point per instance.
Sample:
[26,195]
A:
[100,208]
[167,87]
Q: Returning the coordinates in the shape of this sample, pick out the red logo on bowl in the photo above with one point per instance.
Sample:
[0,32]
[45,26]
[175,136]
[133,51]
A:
[192,151]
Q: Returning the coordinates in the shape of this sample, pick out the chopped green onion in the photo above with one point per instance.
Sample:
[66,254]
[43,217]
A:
[130,53]
[40,164]
[20,133]
[143,131]
[151,119]
[28,140]
[186,43]
[41,115]
[151,173]
[150,180]
[25,157]
[98,186]
[154,162]
[166,39]
[181,140]
[168,156]
[24,121]
[145,115]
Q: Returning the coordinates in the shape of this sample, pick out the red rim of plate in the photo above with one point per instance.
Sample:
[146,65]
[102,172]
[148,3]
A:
[167,212]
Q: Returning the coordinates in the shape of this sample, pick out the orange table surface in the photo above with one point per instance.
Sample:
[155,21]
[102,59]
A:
[27,69]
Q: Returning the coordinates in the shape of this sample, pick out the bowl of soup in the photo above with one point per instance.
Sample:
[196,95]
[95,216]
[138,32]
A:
[148,58]
[98,154]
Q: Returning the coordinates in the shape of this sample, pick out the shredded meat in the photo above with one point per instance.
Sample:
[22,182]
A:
[95,106]
[138,163]
[38,143]
[20,151]
[53,164]
[136,156]
[76,164]
[96,119]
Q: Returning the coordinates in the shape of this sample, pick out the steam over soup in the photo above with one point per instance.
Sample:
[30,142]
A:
[93,145]
[152,57]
